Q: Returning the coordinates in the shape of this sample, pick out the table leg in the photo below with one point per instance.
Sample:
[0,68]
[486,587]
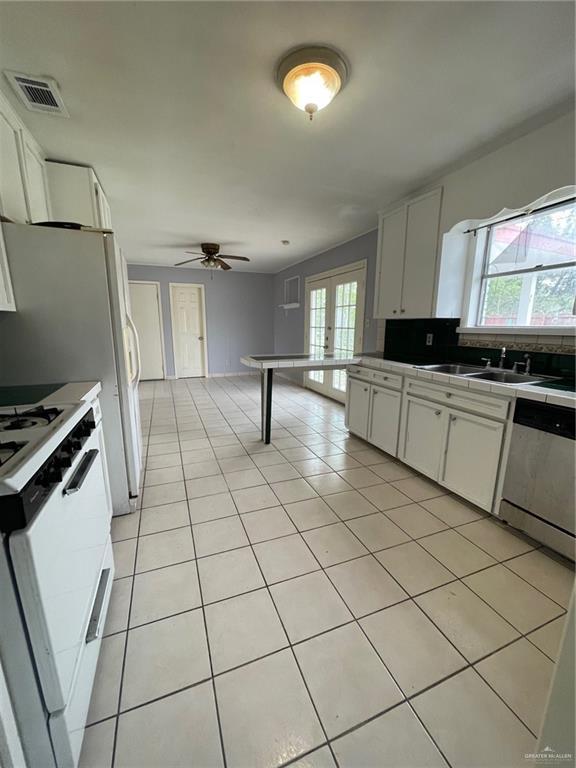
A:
[266,398]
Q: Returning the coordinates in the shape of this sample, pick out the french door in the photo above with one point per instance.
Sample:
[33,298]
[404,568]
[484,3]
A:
[334,324]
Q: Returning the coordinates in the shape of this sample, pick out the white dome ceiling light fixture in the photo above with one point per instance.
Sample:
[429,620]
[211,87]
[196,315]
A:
[312,76]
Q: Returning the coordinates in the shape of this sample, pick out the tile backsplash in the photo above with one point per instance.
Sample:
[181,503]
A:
[409,341]
[565,345]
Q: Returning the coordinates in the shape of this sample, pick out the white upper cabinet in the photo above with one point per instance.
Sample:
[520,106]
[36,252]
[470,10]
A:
[76,195]
[36,185]
[23,188]
[390,263]
[406,260]
[12,196]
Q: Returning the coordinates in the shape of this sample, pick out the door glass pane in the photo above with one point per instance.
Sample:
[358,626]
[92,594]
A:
[317,330]
[344,328]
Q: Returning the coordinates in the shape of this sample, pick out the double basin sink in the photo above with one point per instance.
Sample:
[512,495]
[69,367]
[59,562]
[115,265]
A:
[486,374]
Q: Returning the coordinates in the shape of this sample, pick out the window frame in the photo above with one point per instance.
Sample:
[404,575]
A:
[479,234]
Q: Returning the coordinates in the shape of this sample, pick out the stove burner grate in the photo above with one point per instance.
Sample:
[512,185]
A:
[33,417]
[7,450]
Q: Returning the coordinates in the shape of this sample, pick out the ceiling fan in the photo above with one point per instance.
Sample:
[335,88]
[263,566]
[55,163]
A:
[211,258]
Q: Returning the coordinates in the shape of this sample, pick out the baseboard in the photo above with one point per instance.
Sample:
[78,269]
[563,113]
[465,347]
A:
[229,373]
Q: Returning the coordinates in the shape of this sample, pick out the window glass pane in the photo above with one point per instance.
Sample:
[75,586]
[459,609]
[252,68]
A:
[544,238]
[537,298]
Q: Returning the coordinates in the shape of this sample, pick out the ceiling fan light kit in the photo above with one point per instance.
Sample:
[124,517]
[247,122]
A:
[311,77]
[210,257]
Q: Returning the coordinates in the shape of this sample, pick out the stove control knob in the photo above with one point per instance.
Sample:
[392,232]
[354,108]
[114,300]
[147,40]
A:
[64,461]
[53,475]
[90,425]
[72,445]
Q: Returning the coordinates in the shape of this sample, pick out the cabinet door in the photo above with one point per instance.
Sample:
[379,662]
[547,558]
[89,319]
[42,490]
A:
[390,264]
[472,457]
[424,430]
[12,196]
[357,407]
[103,209]
[35,184]
[385,419]
[423,217]
[6,293]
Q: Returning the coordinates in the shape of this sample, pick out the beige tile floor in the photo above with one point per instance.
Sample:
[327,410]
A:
[313,602]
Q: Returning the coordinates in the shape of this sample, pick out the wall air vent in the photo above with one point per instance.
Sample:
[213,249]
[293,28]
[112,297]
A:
[37,93]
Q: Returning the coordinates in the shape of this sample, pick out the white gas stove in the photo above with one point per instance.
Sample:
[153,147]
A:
[31,434]
[55,512]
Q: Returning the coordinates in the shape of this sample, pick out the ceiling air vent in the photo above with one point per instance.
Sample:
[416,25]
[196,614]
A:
[39,94]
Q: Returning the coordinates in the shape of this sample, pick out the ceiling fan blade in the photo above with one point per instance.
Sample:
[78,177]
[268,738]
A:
[238,258]
[180,263]
[222,264]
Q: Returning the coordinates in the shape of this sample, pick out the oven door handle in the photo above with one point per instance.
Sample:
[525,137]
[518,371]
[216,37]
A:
[81,473]
[95,623]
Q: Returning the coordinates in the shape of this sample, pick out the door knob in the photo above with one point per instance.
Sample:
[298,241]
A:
[200,338]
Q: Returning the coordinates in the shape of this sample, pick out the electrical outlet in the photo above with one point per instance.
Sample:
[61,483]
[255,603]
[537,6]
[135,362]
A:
[429,339]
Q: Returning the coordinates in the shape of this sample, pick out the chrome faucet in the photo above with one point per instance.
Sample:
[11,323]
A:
[526,364]
[486,360]
[502,357]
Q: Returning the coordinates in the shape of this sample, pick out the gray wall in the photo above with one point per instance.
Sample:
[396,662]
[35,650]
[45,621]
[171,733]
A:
[239,312]
[289,324]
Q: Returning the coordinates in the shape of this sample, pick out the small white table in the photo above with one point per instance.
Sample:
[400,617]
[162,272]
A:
[267,364]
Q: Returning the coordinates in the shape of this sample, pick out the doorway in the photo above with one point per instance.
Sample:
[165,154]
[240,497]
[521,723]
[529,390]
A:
[146,313]
[188,311]
[334,323]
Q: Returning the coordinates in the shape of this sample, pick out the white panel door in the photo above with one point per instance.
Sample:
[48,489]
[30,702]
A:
[357,407]
[423,436]
[472,457]
[145,312]
[188,331]
[385,419]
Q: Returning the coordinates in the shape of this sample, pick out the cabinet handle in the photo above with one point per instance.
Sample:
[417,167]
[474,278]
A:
[374,392]
[448,394]
[385,378]
[394,311]
[402,310]
[453,418]
[365,389]
[437,413]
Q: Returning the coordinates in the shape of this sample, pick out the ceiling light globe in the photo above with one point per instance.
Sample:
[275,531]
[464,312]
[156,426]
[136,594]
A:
[311,87]
[311,77]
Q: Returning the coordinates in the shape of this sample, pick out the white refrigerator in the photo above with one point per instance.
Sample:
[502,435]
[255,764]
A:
[72,323]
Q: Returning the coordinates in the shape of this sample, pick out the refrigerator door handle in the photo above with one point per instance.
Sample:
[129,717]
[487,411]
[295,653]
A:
[136,379]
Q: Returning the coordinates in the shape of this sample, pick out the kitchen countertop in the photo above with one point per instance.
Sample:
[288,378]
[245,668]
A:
[48,394]
[528,391]
[298,360]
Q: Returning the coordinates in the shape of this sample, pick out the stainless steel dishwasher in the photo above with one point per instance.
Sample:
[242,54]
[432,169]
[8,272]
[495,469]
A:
[539,485]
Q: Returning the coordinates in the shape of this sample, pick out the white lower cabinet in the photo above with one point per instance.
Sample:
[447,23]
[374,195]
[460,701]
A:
[358,407]
[472,457]
[424,430]
[384,419]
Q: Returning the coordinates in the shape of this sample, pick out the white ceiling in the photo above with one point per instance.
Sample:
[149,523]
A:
[175,106]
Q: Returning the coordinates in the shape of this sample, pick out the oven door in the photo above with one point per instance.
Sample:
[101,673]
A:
[57,563]
[67,725]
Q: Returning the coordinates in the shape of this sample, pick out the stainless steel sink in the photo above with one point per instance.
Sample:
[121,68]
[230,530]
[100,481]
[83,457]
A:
[453,368]
[506,377]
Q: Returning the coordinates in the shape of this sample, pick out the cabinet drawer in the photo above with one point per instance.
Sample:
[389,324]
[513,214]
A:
[358,370]
[468,399]
[391,380]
